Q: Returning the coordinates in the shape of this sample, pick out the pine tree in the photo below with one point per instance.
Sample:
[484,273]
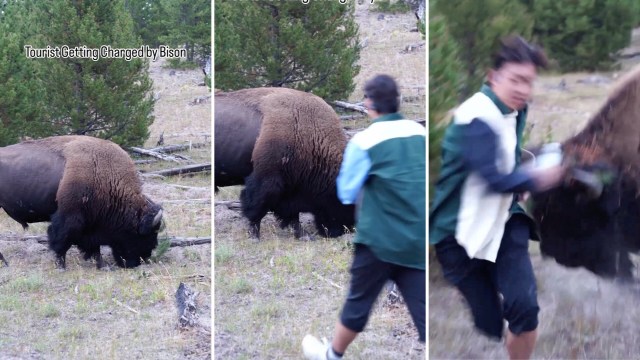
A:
[108,98]
[188,24]
[585,35]
[446,77]
[477,26]
[148,17]
[309,47]
[20,97]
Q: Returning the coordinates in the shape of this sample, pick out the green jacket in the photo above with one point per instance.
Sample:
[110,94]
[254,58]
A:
[384,169]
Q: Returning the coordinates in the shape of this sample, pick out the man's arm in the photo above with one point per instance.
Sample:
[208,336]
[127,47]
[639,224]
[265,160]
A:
[354,171]
[479,151]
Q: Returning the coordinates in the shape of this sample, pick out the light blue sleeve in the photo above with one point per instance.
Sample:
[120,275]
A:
[353,173]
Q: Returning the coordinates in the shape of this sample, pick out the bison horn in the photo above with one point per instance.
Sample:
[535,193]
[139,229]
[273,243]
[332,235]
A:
[157,218]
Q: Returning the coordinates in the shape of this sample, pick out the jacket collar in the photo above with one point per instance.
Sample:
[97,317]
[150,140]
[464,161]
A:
[504,109]
[389,117]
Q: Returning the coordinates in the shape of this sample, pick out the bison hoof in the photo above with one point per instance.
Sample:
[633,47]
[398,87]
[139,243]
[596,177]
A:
[60,263]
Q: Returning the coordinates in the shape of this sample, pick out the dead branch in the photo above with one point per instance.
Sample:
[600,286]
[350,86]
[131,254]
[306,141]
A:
[351,117]
[354,107]
[142,162]
[179,147]
[326,280]
[189,187]
[199,201]
[186,305]
[125,306]
[230,204]
[182,170]
[174,241]
[155,154]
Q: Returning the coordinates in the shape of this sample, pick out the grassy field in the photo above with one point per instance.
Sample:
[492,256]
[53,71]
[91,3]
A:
[85,313]
[270,293]
[582,316]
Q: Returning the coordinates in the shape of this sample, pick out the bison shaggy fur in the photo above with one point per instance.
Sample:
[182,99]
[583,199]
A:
[286,146]
[88,189]
[598,233]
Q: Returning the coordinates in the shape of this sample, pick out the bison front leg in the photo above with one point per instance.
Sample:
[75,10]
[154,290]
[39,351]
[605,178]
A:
[63,232]
[257,198]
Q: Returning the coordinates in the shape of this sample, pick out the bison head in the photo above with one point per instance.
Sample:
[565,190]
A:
[136,245]
[334,219]
[579,228]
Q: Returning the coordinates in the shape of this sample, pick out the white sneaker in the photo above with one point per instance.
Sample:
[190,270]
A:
[314,349]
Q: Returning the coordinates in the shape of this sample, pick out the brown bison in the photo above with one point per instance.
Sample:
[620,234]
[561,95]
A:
[598,231]
[286,147]
[88,189]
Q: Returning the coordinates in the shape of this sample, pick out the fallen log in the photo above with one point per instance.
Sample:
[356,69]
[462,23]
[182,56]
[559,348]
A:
[182,201]
[155,154]
[354,107]
[186,305]
[182,170]
[179,147]
[230,204]
[174,241]
[141,162]
[351,117]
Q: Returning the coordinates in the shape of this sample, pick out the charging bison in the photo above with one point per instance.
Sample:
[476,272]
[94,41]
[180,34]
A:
[286,147]
[88,189]
[598,231]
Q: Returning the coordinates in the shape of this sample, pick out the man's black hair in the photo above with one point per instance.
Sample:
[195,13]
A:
[516,49]
[383,91]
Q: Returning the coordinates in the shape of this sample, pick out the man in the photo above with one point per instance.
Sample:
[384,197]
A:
[480,233]
[384,170]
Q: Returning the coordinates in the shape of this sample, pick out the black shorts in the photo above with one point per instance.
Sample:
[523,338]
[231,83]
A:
[481,281]
[368,276]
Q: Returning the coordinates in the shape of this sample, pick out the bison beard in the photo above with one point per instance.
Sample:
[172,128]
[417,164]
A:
[88,189]
[599,233]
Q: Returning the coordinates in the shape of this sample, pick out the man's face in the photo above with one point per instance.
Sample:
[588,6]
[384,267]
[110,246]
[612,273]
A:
[368,104]
[513,83]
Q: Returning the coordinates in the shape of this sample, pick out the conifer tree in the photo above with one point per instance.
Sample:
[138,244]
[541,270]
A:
[446,77]
[108,98]
[309,47]
[585,35]
[188,23]
[477,26]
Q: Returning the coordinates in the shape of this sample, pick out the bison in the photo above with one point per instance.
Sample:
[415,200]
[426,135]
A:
[598,231]
[286,147]
[88,189]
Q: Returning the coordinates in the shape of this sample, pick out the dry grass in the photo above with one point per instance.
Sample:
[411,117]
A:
[382,54]
[85,313]
[582,316]
[270,293]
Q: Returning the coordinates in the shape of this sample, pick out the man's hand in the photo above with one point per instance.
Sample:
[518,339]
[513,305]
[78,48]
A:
[548,178]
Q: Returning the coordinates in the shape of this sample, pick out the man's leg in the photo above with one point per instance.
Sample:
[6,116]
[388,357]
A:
[474,279]
[521,346]
[412,285]
[368,276]
[517,283]
[342,338]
